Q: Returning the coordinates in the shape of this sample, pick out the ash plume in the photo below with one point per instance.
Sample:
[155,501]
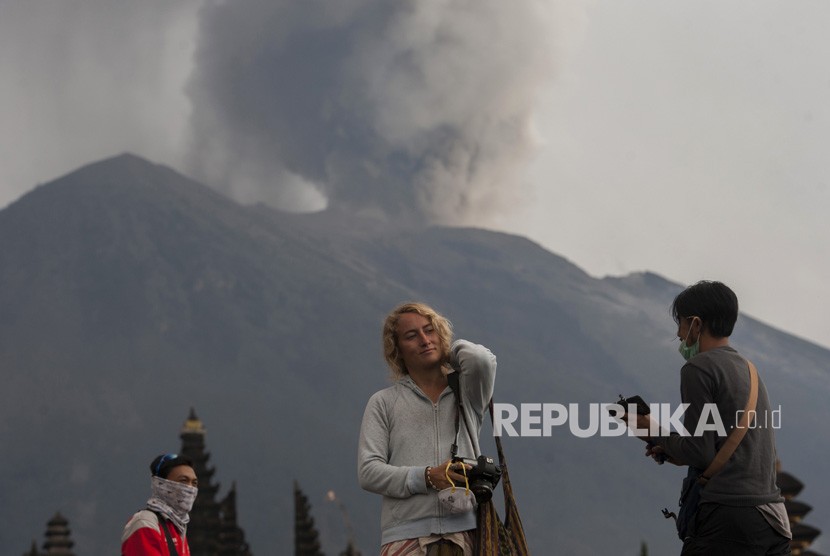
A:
[418,108]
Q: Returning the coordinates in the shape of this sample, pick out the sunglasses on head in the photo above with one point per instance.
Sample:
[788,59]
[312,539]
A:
[164,459]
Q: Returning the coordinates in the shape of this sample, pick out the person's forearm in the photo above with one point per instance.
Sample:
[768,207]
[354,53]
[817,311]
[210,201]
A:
[390,480]
[477,365]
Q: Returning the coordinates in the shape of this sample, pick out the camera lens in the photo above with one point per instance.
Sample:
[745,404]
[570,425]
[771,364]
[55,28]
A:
[482,491]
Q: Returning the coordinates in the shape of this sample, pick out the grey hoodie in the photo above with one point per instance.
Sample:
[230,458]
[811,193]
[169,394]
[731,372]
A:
[403,432]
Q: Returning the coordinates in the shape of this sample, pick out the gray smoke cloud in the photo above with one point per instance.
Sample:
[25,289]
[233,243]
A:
[420,107]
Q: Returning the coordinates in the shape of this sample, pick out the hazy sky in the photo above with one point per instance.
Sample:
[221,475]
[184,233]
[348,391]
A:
[680,138]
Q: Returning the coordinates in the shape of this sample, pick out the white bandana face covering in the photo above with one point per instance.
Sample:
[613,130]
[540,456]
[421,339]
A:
[172,500]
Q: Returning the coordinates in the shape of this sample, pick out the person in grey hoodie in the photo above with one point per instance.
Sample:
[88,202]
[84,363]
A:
[408,429]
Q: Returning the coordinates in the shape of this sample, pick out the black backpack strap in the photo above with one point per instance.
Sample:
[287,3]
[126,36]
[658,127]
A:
[163,526]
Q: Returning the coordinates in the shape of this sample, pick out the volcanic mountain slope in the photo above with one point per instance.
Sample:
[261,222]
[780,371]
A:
[129,293]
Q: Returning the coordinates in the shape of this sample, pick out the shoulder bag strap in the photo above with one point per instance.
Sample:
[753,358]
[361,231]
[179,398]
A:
[512,521]
[514,534]
[163,526]
[737,434]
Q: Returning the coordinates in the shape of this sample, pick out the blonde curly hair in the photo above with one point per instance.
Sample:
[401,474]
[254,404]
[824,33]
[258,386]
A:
[392,354]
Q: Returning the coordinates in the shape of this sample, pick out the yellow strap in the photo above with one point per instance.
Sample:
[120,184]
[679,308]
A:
[736,434]
[466,480]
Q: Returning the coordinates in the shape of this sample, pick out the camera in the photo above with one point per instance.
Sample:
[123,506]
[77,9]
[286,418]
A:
[642,406]
[642,409]
[484,475]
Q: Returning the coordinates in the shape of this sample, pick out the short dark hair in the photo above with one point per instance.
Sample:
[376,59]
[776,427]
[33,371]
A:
[713,302]
[163,464]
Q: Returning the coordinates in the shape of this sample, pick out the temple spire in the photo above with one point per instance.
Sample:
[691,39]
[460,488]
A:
[58,538]
[193,425]
[33,550]
[205,515]
[306,542]
[231,536]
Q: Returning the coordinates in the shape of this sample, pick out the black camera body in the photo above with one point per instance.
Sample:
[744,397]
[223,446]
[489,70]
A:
[642,406]
[642,409]
[483,477]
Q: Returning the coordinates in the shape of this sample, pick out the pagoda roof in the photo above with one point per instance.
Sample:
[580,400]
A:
[796,508]
[804,533]
[789,485]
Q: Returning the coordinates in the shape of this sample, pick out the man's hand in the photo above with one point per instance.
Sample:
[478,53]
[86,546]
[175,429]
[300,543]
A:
[658,454]
[437,476]
[641,425]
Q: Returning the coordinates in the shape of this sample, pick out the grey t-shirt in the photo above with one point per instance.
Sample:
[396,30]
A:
[720,376]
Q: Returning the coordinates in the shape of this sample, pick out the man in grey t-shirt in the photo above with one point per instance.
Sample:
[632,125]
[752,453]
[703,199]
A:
[741,511]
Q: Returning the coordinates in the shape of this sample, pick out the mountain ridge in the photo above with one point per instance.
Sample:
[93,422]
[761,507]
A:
[129,293]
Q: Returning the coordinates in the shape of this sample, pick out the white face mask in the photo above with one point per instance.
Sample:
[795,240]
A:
[457,500]
[179,497]
[172,500]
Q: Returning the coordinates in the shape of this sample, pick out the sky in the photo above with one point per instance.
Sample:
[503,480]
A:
[685,139]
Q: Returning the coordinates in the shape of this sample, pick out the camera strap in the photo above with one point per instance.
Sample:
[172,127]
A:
[453,381]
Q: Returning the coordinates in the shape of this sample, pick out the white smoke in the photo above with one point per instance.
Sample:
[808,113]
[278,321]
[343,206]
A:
[422,107]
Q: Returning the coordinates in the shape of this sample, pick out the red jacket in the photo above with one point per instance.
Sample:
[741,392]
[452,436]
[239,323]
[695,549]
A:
[143,537]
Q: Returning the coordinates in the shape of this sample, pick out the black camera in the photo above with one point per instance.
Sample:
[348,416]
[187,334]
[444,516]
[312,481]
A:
[642,409]
[642,406]
[483,477]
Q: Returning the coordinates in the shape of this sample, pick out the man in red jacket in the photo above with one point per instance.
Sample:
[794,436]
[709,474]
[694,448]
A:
[160,530]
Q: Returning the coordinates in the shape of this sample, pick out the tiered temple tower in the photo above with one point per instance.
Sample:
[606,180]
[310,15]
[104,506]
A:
[306,539]
[803,535]
[58,539]
[231,537]
[212,530]
[204,517]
